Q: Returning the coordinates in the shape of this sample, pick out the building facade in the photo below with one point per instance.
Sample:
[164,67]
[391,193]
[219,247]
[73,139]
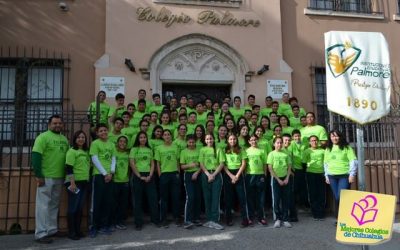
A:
[56,55]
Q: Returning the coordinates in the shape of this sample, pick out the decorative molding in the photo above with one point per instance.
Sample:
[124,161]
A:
[342,14]
[216,3]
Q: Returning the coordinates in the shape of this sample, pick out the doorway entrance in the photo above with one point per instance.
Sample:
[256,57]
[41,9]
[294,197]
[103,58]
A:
[199,92]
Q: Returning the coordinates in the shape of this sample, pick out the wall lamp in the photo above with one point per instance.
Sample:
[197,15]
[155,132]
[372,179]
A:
[263,69]
[248,75]
[63,6]
[129,64]
[145,73]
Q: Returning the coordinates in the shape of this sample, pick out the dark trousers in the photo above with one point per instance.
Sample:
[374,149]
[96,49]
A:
[121,201]
[75,207]
[141,188]
[337,183]
[212,195]
[102,195]
[169,186]
[316,194]
[229,189]
[292,199]
[255,190]
[300,188]
[280,199]
[193,197]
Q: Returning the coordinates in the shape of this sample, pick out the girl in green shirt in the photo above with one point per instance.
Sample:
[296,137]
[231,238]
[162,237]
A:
[265,123]
[243,137]
[199,133]
[221,139]
[211,163]
[189,160]
[235,164]
[279,167]
[340,164]
[313,157]
[156,137]
[121,183]
[77,166]
[167,160]
[142,166]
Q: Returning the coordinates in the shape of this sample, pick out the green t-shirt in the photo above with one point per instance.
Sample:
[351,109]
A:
[220,144]
[314,158]
[265,111]
[199,144]
[113,137]
[104,150]
[243,143]
[257,159]
[143,157]
[131,133]
[53,148]
[180,144]
[264,145]
[112,110]
[156,108]
[236,112]
[154,143]
[296,150]
[210,158]
[168,157]
[190,128]
[80,162]
[137,117]
[268,135]
[295,122]
[284,109]
[279,160]
[202,118]
[338,160]
[122,167]
[189,156]
[233,161]
[308,131]
[104,110]
[287,130]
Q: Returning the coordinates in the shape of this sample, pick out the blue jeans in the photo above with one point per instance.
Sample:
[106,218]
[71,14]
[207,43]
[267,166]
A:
[337,183]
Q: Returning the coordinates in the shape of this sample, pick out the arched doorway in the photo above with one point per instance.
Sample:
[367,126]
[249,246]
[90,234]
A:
[197,65]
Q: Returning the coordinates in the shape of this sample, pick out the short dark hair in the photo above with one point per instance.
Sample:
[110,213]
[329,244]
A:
[56,116]
[119,96]
[156,95]
[141,101]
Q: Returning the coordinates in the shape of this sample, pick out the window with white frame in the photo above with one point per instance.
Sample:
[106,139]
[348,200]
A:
[354,6]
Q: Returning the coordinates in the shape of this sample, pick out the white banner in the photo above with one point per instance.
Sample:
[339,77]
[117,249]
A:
[112,85]
[358,77]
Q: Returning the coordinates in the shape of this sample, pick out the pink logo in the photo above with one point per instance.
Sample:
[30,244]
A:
[364,211]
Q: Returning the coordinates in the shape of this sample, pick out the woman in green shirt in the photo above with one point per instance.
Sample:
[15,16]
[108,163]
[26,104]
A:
[313,157]
[340,164]
[77,166]
[221,139]
[167,160]
[200,134]
[142,166]
[235,164]
[211,163]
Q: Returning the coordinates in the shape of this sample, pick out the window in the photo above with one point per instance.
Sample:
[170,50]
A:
[31,90]
[353,6]
[222,3]
[320,95]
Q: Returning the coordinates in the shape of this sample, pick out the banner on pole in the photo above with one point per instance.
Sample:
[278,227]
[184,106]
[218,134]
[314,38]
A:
[358,77]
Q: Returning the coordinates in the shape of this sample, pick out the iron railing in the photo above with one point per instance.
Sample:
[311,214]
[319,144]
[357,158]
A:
[351,6]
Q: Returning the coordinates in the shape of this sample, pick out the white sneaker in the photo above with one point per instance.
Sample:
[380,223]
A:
[277,224]
[287,224]
[217,226]
[208,224]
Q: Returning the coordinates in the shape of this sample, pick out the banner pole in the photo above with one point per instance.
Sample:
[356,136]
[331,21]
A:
[361,169]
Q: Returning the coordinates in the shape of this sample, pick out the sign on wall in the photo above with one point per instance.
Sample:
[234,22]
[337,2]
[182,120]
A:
[358,77]
[275,88]
[112,85]
[365,218]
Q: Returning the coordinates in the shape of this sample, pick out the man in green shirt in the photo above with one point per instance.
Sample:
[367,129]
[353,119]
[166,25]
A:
[236,110]
[98,112]
[48,158]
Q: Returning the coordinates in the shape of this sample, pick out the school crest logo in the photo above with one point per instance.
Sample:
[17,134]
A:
[340,57]
[144,158]
[169,157]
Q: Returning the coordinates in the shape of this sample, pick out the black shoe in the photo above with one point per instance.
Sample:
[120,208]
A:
[229,223]
[138,227]
[44,240]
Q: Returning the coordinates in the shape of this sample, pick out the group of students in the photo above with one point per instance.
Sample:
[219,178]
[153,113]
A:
[207,152]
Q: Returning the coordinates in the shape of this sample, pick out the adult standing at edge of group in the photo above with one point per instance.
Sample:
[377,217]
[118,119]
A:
[48,159]
[340,165]
[313,129]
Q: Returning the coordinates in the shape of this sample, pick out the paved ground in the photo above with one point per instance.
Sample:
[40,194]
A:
[306,234]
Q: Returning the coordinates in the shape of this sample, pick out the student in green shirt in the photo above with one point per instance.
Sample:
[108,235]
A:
[285,124]
[156,137]
[221,141]
[77,167]
[340,164]
[256,174]
[98,116]
[165,121]
[201,114]
[266,124]
[117,111]
[313,158]
[230,125]
[235,164]
[268,106]
[116,130]
[236,110]
[102,152]
[138,115]
[313,129]
[189,160]
[244,137]
[180,142]
[211,163]
[210,128]
[199,134]
[262,143]
[167,160]
[142,165]
[279,166]
[121,183]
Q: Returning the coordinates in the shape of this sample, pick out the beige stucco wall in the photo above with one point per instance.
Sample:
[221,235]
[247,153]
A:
[78,33]
[303,40]
[127,37]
